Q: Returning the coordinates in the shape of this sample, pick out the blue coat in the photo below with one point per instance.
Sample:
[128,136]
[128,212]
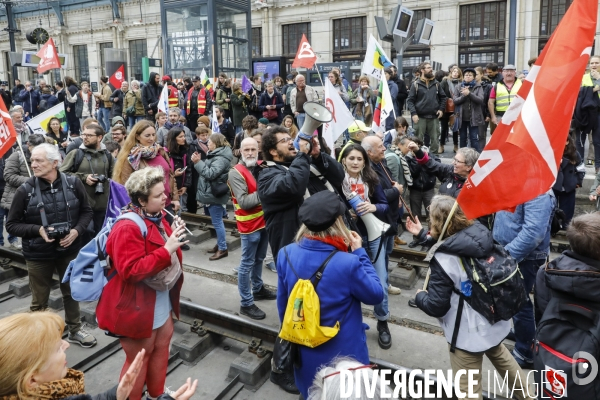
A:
[30,101]
[348,280]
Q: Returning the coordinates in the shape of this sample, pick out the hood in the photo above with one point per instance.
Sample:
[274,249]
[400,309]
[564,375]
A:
[475,241]
[575,275]
[102,147]
[224,151]
[46,96]
[152,80]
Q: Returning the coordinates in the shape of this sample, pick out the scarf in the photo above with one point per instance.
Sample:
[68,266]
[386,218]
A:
[19,126]
[169,125]
[156,217]
[71,385]
[334,241]
[138,152]
[405,168]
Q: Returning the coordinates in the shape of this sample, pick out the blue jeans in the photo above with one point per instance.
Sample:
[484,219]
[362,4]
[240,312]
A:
[11,238]
[104,118]
[216,216]
[473,135]
[300,121]
[389,246]
[134,120]
[380,310]
[254,250]
[524,324]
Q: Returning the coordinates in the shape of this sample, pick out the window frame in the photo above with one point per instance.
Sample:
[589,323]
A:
[286,44]
[351,52]
[544,37]
[139,53]
[257,41]
[81,65]
[101,47]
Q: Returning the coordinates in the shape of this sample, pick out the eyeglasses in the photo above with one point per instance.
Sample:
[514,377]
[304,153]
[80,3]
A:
[284,140]
[455,161]
[371,366]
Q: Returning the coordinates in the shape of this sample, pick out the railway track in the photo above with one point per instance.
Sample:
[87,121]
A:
[228,353]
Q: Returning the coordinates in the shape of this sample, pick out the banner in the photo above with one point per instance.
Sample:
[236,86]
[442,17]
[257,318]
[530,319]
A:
[342,118]
[39,124]
[521,160]
[384,106]
[375,59]
[305,56]
[48,57]
[8,134]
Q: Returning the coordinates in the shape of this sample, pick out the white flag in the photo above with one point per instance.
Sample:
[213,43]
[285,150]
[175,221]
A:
[163,101]
[39,124]
[215,121]
[203,76]
[384,106]
[375,59]
[342,118]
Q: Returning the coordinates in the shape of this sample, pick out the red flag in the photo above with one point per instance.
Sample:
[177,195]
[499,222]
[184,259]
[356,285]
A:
[8,134]
[48,57]
[118,77]
[521,160]
[305,56]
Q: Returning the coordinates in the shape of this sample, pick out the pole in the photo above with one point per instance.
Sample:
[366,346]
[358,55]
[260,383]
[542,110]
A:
[12,28]
[512,31]
[23,154]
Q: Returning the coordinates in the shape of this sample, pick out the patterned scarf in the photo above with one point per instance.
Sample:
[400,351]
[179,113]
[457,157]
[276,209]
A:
[71,385]
[405,168]
[138,152]
[156,217]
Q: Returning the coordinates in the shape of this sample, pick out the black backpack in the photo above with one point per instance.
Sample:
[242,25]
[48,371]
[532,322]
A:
[497,291]
[567,341]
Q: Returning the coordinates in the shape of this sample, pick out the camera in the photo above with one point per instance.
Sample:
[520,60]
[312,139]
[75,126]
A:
[100,185]
[59,230]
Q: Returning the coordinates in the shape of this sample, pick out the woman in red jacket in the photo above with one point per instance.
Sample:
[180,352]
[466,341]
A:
[136,303]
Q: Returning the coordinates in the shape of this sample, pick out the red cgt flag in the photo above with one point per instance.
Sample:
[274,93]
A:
[521,160]
[48,57]
[118,77]
[305,56]
[8,135]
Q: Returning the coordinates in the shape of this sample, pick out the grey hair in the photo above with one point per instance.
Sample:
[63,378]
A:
[471,155]
[175,110]
[142,181]
[367,143]
[52,153]
[36,139]
[135,83]
[269,83]
[329,388]
[298,77]
[15,111]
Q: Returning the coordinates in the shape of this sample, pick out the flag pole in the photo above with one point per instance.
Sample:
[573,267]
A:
[23,153]
[320,78]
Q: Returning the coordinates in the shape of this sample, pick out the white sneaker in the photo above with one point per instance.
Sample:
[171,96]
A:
[16,245]
[394,290]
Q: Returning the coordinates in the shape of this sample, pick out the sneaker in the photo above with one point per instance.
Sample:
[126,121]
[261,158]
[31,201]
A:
[235,270]
[271,267]
[394,290]
[285,380]
[523,363]
[264,294]
[253,312]
[16,245]
[412,303]
[169,391]
[82,338]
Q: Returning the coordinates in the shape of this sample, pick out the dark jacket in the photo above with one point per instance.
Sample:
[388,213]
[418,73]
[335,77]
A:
[445,84]
[150,94]
[389,121]
[24,217]
[117,106]
[569,274]
[570,176]
[79,103]
[486,84]
[30,101]
[15,92]
[585,115]
[15,174]
[451,183]
[474,100]
[424,100]
[422,180]
[391,194]
[239,107]
[227,130]
[475,241]
[276,100]
[402,92]
[214,169]
[51,101]
[6,98]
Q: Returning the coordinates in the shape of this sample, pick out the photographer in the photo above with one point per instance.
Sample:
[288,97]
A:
[93,165]
[50,212]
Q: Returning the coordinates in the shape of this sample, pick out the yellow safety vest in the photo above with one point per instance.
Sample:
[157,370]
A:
[504,96]
[587,81]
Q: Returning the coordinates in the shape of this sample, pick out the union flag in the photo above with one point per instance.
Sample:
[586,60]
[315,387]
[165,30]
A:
[305,56]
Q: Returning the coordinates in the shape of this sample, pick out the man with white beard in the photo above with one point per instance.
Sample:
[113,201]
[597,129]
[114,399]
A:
[251,225]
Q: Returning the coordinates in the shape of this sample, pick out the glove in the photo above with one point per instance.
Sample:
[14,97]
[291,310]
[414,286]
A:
[303,136]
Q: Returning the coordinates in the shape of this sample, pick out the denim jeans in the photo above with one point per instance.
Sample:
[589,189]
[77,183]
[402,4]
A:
[473,135]
[216,216]
[254,250]
[11,238]
[380,310]
[524,324]
[104,118]
[300,120]
[389,246]
[134,120]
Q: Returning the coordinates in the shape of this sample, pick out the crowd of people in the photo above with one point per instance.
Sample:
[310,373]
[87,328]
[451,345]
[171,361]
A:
[302,210]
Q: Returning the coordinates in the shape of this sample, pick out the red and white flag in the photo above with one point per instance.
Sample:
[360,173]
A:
[48,57]
[8,134]
[118,77]
[521,160]
[305,56]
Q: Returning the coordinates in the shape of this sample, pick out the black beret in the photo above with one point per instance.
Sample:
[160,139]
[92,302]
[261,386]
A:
[320,211]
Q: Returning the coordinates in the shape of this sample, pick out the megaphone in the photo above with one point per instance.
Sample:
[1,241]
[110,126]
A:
[316,115]
[375,227]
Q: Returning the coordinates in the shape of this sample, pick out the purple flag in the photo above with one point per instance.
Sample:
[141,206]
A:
[117,199]
[246,84]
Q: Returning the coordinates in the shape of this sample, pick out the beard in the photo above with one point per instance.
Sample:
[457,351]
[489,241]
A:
[428,75]
[250,161]
[91,146]
[288,158]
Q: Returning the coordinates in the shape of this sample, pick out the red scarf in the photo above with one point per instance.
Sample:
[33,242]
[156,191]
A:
[334,241]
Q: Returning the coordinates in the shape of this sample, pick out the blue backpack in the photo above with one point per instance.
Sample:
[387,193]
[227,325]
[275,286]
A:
[88,272]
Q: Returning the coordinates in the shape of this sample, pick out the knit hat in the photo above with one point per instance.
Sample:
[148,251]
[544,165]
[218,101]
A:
[205,120]
[263,121]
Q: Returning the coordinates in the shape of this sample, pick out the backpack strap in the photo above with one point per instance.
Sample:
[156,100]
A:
[318,274]
[461,303]
[111,271]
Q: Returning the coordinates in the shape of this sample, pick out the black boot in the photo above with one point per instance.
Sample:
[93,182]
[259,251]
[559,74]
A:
[385,338]
[285,380]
